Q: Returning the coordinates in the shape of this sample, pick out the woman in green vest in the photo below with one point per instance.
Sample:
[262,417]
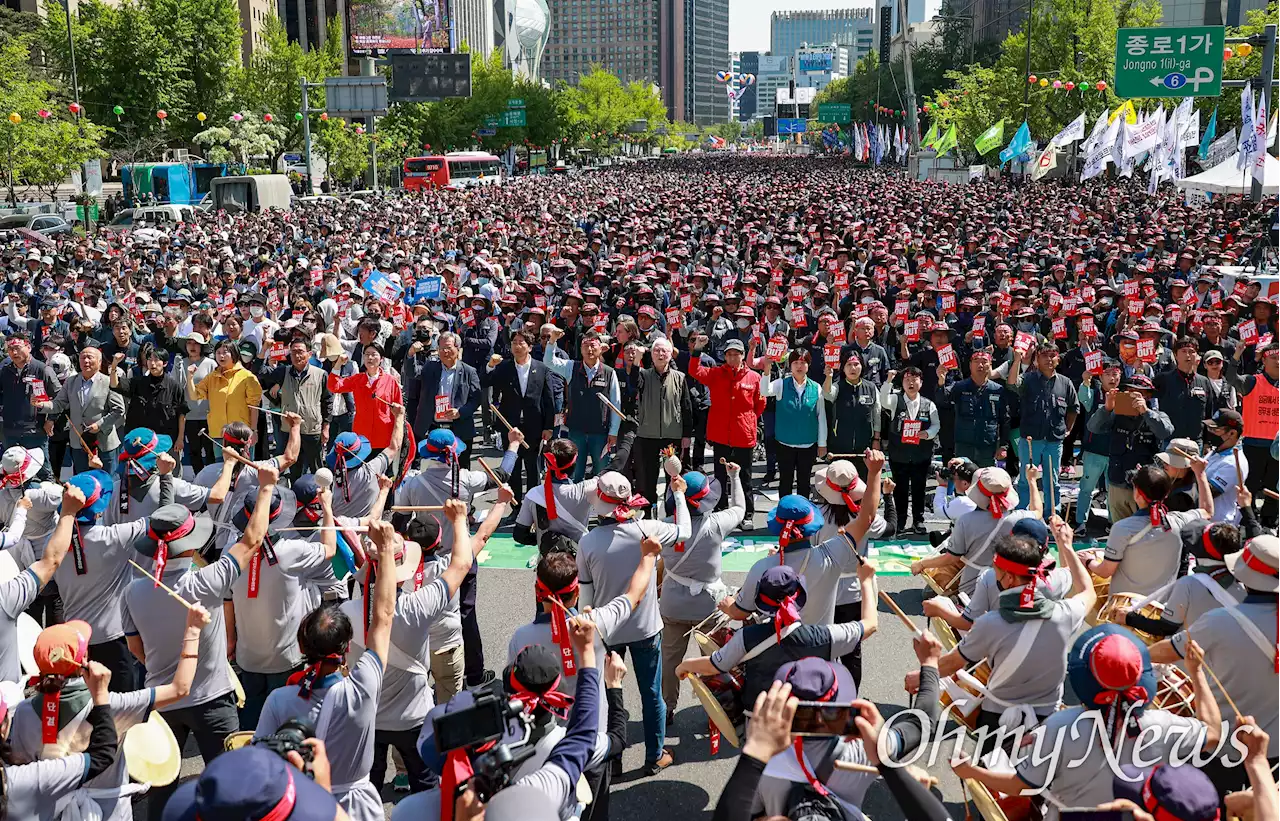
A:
[801,424]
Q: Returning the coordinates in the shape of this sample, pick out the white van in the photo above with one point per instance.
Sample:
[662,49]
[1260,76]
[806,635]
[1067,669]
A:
[256,192]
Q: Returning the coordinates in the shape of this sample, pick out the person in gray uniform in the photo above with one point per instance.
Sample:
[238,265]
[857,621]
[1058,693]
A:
[17,594]
[269,599]
[239,437]
[36,790]
[691,585]
[435,483]
[607,557]
[172,539]
[355,474]
[138,495]
[93,583]
[344,708]
[406,694]
[796,521]
[108,795]
[1026,639]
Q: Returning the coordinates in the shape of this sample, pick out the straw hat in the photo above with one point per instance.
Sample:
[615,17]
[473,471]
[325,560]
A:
[839,478]
[989,482]
[151,753]
[330,347]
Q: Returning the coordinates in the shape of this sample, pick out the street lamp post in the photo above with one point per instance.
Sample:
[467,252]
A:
[71,46]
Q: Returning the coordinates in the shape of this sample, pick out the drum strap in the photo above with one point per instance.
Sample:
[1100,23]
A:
[1159,594]
[1233,607]
[769,643]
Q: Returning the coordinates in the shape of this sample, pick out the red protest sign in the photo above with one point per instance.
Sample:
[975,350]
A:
[726,282]
[776,348]
[831,355]
[835,332]
[1059,328]
[1023,342]
[673,317]
[279,351]
[467,317]
[797,293]
[1131,288]
[1147,350]
[911,431]
[1087,328]
[686,302]
[1093,362]
[901,309]
[1135,307]
[1249,332]
[947,357]
[798,319]
[979,325]
[1175,313]
[1263,341]
[1071,305]
[912,328]
[948,303]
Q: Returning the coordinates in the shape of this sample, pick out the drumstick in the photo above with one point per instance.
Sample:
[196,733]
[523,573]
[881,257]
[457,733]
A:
[1189,456]
[613,407]
[83,444]
[356,529]
[234,455]
[163,586]
[493,476]
[699,624]
[1218,682]
[416,508]
[561,605]
[504,421]
[272,412]
[1268,491]
[852,545]
[852,767]
[1239,473]
[893,605]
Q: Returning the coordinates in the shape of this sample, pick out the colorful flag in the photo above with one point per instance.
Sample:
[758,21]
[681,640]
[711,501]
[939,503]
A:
[1130,113]
[1210,131]
[990,138]
[947,141]
[1021,142]
[1047,162]
[931,136]
[1260,139]
[1246,145]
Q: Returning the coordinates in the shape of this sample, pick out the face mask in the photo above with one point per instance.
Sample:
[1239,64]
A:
[549,290]
[256,312]
[974,284]
[1035,291]
[744,324]
[1026,327]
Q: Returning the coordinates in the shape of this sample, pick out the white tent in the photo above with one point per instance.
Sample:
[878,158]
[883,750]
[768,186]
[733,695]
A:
[1225,178]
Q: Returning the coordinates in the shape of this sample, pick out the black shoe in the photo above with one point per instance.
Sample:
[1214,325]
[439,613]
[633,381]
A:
[486,677]
[665,760]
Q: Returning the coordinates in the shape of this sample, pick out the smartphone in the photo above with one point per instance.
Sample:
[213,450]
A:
[470,727]
[824,718]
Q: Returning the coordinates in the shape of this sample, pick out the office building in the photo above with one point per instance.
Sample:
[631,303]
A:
[620,36]
[706,53]
[315,16]
[473,24]
[1208,12]
[521,29]
[773,73]
[853,27]
[919,11]
[816,66]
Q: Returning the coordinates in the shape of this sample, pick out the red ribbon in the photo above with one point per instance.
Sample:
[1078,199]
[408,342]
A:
[1037,573]
[559,624]
[792,531]
[306,678]
[284,807]
[853,506]
[15,479]
[556,702]
[996,505]
[554,471]
[49,718]
[457,772]
[1209,547]
[255,573]
[798,743]
[1158,511]
[622,506]
[787,615]
[162,543]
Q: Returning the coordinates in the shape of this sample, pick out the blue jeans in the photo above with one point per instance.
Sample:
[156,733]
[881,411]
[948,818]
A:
[80,460]
[1095,468]
[592,444]
[646,658]
[1047,456]
[36,441]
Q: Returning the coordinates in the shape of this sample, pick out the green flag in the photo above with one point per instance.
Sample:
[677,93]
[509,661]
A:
[946,142]
[932,136]
[990,138]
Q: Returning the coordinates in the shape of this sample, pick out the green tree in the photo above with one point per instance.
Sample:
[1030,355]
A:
[15,24]
[345,152]
[206,36]
[1239,68]
[243,137]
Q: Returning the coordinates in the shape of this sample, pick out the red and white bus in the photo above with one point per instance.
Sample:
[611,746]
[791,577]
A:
[457,169]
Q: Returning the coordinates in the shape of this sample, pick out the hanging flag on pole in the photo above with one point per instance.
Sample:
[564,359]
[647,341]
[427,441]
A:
[1021,142]
[1210,132]
[1047,162]
[1073,132]
[1246,145]
[990,138]
[1099,128]
[1260,140]
[931,136]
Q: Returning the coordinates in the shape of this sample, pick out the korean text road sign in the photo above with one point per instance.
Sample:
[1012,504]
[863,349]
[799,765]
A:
[1182,61]
[835,113]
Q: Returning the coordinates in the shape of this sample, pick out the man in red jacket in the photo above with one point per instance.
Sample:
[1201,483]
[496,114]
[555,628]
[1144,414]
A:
[736,405]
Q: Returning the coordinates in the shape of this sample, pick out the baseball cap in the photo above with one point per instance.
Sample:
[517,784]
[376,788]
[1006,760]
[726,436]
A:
[251,782]
[1213,353]
[734,345]
[1226,419]
[1169,791]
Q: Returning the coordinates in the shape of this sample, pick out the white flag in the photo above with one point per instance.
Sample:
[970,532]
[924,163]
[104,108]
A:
[1246,147]
[1099,128]
[1104,144]
[1068,135]
[1144,136]
[1048,160]
[1271,129]
[1260,139]
[1189,136]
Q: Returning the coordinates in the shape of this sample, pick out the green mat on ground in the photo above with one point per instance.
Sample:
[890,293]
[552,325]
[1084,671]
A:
[738,554]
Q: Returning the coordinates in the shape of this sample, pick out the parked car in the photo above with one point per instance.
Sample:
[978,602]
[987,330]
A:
[51,225]
[152,215]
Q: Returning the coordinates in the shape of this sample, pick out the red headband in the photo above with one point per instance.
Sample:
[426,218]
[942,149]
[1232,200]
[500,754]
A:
[621,506]
[147,448]
[997,503]
[1038,574]
[559,623]
[162,542]
[554,471]
[556,702]
[1207,543]
[853,506]
[788,612]
[792,531]
[15,479]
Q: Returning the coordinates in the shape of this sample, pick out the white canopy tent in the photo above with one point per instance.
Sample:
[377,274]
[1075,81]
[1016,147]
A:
[1225,178]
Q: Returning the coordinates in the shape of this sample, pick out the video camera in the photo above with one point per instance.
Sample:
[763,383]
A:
[291,737]
[487,720]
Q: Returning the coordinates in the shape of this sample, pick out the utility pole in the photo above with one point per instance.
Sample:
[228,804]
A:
[306,138]
[368,68]
[912,122]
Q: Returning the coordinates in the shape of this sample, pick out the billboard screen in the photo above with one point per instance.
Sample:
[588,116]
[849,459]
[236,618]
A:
[815,61]
[770,64]
[420,26]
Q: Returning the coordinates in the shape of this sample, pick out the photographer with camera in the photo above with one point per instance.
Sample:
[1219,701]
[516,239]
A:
[951,497]
[344,707]
[465,740]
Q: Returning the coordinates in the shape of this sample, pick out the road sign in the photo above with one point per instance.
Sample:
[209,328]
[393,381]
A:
[355,96]
[486,132]
[790,125]
[835,113]
[490,122]
[1182,61]
[515,102]
[511,119]
[418,78]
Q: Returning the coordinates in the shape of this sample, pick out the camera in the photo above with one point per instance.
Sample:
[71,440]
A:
[487,720]
[291,737]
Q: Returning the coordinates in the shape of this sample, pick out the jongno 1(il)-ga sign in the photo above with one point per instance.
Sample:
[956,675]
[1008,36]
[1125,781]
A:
[1183,61]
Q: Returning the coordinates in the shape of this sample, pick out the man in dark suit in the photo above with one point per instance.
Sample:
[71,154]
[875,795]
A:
[522,391]
[448,395]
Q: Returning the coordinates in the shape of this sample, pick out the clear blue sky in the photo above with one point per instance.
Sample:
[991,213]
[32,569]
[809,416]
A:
[749,19]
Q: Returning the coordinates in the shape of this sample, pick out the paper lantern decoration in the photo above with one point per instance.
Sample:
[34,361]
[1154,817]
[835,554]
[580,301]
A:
[1227,54]
[1032,79]
[1057,84]
[1043,82]
[15,117]
[926,106]
[324,116]
[1244,50]
[266,118]
[237,117]
[75,108]
[298,116]
[201,116]
[44,113]
[359,129]
[117,110]
[1071,86]
[1101,85]
[944,103]
[162,115]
